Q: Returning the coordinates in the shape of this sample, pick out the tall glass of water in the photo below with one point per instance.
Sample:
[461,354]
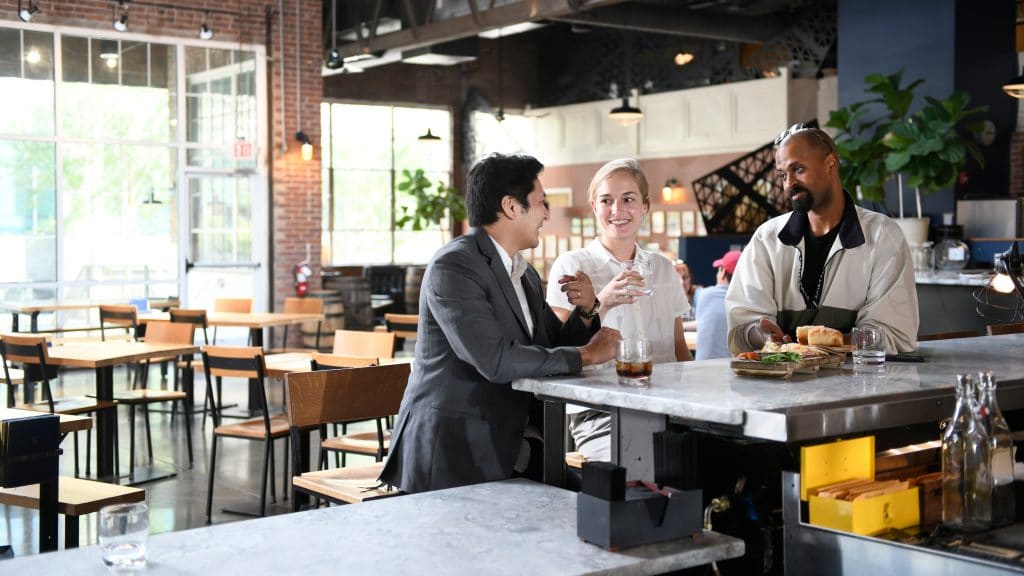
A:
[643,268]
[124,530]
[868,346]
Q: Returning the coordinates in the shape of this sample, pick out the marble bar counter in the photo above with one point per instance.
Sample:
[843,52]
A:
[804,407]
[973,277]
[509,527]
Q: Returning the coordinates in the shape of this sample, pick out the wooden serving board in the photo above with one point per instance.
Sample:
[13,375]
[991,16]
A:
[758,369]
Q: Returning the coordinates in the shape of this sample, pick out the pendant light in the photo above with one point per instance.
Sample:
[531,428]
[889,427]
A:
[333,61]
[1015,86]
[627,115]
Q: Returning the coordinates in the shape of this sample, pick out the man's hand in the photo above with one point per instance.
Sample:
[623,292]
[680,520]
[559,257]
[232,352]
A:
[601,347]
[771,331]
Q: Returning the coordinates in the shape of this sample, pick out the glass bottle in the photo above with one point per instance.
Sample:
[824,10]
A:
[1001,447]
[951,252]
[953,457]
[977,471]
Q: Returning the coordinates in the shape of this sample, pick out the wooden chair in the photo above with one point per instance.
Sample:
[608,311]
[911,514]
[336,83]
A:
[403,326]
[76,497]
[365,443]
[162,333]
[119,316]
[241,305]
[364,344]
[949,335]
[197,318]
[32,352]
[246,363]
[294,305]
[326,396]
[999,329]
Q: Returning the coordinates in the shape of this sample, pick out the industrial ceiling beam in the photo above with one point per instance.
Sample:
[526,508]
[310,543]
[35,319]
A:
[470,24]
[679,22]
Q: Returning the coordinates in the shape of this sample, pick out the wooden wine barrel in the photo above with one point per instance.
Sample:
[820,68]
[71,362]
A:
[334,319]
[413,279]
[355,296]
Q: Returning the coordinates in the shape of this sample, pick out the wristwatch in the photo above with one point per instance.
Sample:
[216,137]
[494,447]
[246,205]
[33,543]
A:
[593,311]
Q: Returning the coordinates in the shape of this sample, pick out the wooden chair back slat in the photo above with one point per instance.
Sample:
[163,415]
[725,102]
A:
[402,325]
[293,305]
[999,329]
[344,395]
[323,361]
[243,305]
[234,361]
[364,344]
[161,332]
[949,335]
[195,317]
[119,315]
[25,349]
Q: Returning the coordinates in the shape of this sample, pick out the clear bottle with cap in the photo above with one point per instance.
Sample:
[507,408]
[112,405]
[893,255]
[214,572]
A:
[953,457]
[977,468]
[1001,451]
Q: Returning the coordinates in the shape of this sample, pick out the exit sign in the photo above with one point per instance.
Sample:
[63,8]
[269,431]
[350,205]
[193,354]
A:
[242,150]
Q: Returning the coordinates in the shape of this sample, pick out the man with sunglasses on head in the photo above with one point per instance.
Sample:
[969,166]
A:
[828,262]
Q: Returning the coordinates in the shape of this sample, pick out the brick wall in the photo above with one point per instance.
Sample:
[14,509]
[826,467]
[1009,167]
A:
[294,183]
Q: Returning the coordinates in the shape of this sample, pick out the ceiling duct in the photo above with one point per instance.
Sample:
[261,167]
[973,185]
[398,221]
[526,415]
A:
[444,54]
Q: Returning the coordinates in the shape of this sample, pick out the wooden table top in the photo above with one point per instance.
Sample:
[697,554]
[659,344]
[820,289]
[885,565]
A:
[51,306]
[244,319]
[103,354]
[68,423]
[280,364]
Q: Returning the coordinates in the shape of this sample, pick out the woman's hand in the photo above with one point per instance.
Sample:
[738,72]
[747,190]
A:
[579,289]
[618,290]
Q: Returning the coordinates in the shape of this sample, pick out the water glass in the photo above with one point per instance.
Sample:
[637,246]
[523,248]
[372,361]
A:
[868,346]
[642,267]
[633,362]
[123,531]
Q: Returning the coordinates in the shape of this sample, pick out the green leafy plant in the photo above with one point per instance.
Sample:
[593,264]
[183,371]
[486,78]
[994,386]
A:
[879,139]
[431,202]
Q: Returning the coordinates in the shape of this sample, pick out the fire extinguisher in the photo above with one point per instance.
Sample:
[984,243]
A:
[302,272]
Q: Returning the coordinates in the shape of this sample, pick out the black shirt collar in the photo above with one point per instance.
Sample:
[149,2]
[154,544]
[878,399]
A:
[850,233]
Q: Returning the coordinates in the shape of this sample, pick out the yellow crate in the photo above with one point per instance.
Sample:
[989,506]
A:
[835,462]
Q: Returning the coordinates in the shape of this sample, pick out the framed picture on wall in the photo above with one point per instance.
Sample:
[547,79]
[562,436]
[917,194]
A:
[559,197]
[689,223]
[576,243]
[576,226]
[672,225]
[563,245]
[538,252]
[701,231]
[550,246]
[658,222]
[588,227]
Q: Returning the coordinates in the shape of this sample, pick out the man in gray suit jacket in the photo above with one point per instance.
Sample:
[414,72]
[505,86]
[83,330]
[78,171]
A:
[483,323]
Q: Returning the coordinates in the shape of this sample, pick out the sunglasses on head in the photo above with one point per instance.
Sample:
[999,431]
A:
[819,134]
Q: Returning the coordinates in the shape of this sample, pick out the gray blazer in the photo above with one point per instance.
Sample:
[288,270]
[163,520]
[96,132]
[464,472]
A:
[460,421]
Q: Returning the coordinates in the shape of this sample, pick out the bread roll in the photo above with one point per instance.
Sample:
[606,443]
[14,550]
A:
[801,334]
[824,336]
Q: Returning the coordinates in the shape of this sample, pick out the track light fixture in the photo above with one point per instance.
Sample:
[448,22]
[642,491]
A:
[205,32]
[307,145]
[26,12]
[121,22]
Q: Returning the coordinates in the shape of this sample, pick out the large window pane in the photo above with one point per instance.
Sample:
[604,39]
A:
[221,105]
[107,108]
[28,223]
[119,212]
[367,170]
[26,82]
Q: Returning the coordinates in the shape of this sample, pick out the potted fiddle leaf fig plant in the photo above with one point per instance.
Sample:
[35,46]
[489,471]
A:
[880,141]
[432,202]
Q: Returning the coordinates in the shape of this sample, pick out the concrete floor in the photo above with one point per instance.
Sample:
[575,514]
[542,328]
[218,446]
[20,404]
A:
[177,503]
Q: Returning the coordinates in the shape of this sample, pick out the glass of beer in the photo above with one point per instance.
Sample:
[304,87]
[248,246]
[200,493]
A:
[633,362]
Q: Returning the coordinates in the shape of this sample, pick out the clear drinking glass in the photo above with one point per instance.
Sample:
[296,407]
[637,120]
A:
[868,346]
[642,267]
[123,532]
[633,362]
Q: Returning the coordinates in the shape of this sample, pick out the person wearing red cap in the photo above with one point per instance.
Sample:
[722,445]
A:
[712,322]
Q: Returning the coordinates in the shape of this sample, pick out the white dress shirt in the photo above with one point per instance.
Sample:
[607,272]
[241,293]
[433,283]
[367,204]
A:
[516,266]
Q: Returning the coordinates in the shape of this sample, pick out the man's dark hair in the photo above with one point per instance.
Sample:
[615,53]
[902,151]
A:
[495,177]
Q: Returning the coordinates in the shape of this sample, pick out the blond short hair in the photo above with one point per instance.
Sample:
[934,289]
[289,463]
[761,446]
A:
[628,165]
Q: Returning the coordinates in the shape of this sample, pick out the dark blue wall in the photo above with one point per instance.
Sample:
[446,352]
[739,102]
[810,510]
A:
[953,45]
